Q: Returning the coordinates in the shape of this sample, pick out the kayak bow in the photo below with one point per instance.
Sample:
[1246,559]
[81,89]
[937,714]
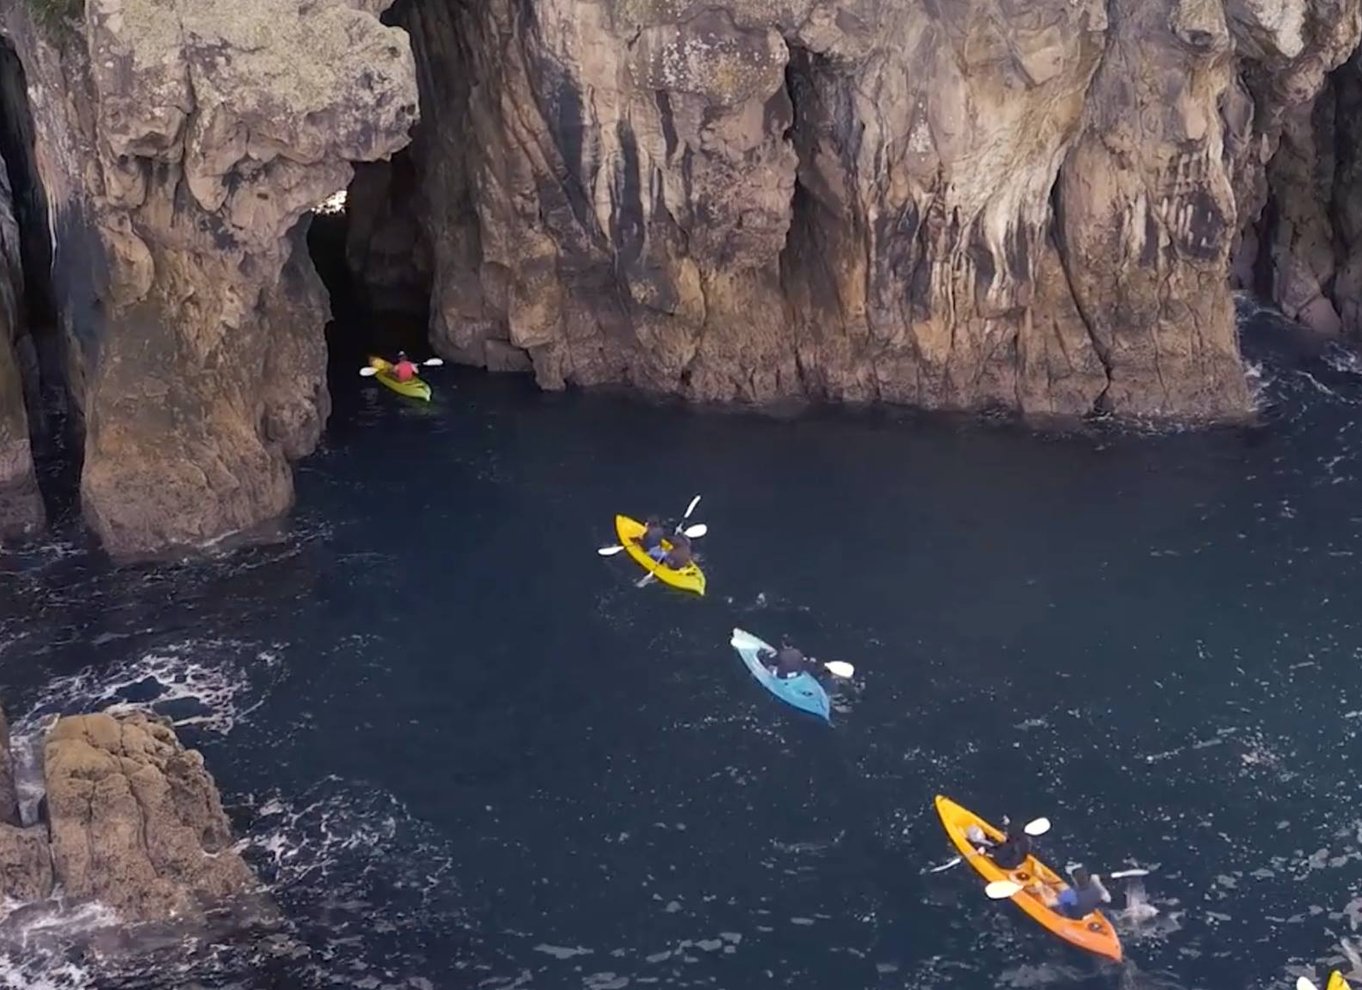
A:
[1039,884]
[413,388]
[688,578]
[802,691]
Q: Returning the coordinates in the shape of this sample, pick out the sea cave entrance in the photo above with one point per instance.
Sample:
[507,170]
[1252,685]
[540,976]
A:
[38,343]
[367,250]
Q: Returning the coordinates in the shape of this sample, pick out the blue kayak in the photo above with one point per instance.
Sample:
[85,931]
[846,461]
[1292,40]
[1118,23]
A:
[802,691]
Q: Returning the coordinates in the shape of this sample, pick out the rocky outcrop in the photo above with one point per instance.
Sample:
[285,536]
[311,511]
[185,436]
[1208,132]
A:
[135,823]
[181,147]
[1033,206]
[132,820]
[962,205]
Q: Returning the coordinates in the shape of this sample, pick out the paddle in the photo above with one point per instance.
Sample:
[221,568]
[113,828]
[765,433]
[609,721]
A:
[1037,826]
[689,509]
[1001,889]
[695,532]
[368,371]
[839,668]
[1303,984]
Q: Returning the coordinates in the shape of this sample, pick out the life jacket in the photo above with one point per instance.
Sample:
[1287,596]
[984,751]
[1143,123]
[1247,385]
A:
[404,371]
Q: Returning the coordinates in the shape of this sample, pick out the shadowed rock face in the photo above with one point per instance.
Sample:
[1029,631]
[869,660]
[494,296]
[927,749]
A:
[181,147]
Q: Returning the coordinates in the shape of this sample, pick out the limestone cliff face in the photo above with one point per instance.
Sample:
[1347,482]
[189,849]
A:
[963,204]
[180,145]
[955,205]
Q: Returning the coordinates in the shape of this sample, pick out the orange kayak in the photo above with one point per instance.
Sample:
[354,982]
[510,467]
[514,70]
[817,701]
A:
[1040,885]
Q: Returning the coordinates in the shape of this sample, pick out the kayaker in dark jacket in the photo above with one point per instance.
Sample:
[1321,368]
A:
[403,369]
[651,540]
[679,555]
[1084,897]
[787,662]
[1013,850]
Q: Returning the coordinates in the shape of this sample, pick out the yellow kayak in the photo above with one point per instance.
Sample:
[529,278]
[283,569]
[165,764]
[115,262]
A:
[688,578]
[1337,982]
[413,388]
[1040,885]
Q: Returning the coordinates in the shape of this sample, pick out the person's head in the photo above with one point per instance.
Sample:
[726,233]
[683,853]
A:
[1081,877]
[401,355]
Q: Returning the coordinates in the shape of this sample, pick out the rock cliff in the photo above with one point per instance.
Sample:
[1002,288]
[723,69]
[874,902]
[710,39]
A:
[1038,206]
[955,205]
[133,821]
[180,145]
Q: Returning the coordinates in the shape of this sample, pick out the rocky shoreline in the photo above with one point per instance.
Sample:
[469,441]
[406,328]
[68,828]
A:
[131,820]
[1041,208]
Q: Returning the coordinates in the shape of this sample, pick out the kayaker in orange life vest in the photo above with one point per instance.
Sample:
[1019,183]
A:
[403,369]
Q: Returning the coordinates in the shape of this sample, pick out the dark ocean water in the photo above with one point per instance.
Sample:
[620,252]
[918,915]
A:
[465,751]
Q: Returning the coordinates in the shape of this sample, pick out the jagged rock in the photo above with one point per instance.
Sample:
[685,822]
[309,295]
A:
[181,146]
[852,200]
[25,863]
[135,820]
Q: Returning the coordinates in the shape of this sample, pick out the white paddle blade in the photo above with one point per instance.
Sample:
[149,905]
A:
[691,508]
[947,865]
[1000,890]
[1122,874]
[840,668]
[609,551]
[1304,984]
[696,531]
[433,362]
[368,371]
[1038,827]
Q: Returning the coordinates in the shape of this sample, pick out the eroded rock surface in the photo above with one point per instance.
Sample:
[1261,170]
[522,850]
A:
[953,205]
[135,820]
[181,144]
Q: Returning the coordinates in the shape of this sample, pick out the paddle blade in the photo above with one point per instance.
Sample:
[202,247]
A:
[1304,984]
[691,508]
[1038,827]
[433,362]
[840,668]
[947,865]
[368,371]
[696,531]
[1000,890]
[609,551]
[1122,874]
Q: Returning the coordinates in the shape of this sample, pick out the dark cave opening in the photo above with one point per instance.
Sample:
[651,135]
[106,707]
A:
[39,345]
[371,253]
[368,316]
